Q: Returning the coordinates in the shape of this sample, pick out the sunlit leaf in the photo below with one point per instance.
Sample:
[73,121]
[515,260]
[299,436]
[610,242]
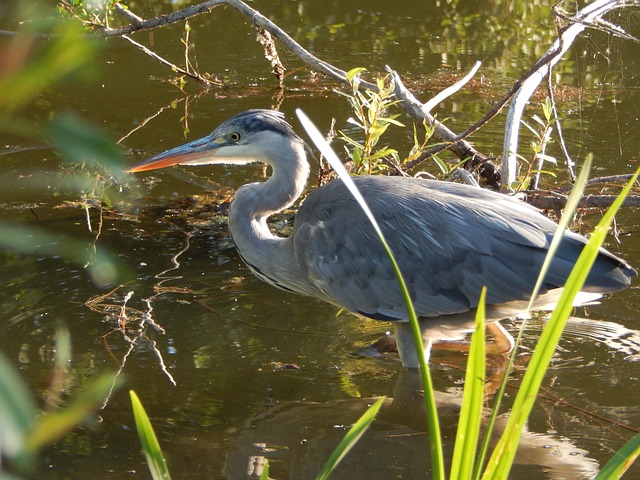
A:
[351,74]
[441,165]
[622,460]
[547,108]
[468,434]
[54,425]
[150,445]
[504,452]
[391,120]
[265,470]
[17,414]
[433,423]
[547,158]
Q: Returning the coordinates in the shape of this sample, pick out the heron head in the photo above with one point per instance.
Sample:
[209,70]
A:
[250,136]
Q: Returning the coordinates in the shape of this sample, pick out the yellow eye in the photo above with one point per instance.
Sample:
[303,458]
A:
[235,136]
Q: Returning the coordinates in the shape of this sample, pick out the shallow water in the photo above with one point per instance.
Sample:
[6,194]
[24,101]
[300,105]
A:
[259,372]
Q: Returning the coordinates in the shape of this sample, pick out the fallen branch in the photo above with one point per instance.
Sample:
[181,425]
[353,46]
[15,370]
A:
[474,160]
[557,202]
[464,150]
[601,180]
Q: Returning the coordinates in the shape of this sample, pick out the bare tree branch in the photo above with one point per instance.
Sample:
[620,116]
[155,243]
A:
[586,16]
[463,149]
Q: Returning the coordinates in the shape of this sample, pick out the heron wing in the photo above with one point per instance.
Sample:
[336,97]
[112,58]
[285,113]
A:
[449,240]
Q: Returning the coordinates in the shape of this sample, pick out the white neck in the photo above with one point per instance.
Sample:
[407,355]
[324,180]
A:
[269,256]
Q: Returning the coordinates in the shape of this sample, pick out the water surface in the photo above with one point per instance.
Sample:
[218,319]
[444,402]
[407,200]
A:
[259,372]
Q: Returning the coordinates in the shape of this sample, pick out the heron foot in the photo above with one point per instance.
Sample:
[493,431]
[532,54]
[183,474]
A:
[501,344]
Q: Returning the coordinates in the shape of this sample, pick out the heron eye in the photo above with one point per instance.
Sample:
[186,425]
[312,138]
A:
[235,136]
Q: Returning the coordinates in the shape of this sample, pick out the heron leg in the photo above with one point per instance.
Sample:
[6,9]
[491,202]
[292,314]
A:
[405,345]
[402,342]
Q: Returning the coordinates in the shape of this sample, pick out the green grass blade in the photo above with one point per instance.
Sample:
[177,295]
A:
[52,426]
[464,453]
[567,215]
[622,460]
[350,439]
[433,424]
[150,446]
[504,452]
[265,470]
[565,221]
[17,415]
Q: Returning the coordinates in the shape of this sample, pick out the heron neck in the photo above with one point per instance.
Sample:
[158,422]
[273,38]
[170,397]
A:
[268,255]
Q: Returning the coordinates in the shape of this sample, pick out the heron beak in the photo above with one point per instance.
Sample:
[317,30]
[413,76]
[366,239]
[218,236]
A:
[198,152]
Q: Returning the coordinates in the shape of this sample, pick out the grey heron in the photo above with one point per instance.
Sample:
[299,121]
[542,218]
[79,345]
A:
[449,239]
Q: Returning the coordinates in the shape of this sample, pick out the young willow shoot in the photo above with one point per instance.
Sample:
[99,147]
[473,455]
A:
[435,441]
[370,110]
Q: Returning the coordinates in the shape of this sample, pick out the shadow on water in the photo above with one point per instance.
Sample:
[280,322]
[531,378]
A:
[300,436]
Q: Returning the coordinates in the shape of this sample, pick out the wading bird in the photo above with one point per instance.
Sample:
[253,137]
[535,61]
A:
[449,239]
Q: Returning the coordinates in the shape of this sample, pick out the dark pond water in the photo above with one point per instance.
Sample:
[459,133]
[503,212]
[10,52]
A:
[260,373]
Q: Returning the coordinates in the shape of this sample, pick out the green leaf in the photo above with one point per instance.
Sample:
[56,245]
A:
[433,424]
[441,165]
[17,415]
[468,435]
[82,143]
[547,109]
[500,463]
[531,129]
[102,267]
[351,74]
[150,446]
[64,54]
[622,460]
[547,158]
[265,470]
[350,439]
[52,426]
[391,120]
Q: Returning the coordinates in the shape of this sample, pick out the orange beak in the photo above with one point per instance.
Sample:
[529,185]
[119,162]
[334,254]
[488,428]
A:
[198,152]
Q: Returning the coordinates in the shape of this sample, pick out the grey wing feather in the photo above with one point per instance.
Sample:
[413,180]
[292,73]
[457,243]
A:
[450,240]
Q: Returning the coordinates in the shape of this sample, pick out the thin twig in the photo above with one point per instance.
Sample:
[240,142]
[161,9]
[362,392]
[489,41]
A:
[563,146]
[175,68]
[601,180]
